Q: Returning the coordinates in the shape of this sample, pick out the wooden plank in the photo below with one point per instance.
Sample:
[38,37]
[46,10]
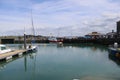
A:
[12,53]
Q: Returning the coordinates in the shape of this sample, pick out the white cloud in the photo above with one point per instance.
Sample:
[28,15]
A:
[76,16]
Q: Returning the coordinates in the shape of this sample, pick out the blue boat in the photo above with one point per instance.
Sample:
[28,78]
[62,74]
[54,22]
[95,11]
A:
[114,51]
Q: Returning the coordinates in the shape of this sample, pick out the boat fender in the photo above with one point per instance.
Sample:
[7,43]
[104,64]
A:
[115,45]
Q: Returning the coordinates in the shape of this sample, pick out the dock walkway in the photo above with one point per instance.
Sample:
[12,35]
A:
[9,55]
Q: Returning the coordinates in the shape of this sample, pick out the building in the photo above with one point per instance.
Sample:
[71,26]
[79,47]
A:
[94,35]
[118,29]
[111,34]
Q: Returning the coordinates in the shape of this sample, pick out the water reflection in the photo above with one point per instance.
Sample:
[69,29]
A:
[93,47]
[25,63]
[25,56]
[115,59]
[32,56]
[2,66]
[67,62]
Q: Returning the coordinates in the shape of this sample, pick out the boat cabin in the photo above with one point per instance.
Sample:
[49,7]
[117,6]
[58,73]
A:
[4,49]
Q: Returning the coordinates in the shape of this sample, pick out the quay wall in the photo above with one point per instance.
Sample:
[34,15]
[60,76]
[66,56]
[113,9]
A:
[102,41]
[20,40]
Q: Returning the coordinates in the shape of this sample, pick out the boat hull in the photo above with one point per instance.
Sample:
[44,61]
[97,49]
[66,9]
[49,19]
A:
[32,49]
[115,52]
[54,41]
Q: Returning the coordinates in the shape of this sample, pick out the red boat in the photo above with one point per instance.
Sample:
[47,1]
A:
[55,40]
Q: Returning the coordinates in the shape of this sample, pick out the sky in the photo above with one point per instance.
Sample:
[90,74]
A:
[58,17]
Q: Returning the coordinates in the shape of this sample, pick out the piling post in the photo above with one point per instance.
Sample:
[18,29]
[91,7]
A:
[24,40]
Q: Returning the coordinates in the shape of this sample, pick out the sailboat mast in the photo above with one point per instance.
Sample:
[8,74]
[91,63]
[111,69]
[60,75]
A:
[33,29]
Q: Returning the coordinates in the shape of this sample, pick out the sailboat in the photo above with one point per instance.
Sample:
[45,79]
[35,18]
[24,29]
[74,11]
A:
[31,47]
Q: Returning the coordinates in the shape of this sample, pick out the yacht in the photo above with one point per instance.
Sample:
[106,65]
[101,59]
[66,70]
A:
[4,49]
[31,47]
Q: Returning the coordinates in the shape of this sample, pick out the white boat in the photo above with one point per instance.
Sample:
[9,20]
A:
[4,49]
[31,47]
[52,39]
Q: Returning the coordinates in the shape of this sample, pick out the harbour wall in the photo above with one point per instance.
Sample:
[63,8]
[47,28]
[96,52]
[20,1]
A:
[102,41]
[20,40]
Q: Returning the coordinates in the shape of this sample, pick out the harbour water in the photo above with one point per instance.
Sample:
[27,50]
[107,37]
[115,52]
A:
[67,62]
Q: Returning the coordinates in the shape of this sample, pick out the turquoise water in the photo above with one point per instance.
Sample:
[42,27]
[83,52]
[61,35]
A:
[67,62]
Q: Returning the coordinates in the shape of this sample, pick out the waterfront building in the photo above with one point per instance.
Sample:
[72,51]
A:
[94,35]
[111,34]
[118,28]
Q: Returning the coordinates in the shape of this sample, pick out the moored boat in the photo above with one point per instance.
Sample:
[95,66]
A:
[4,49]
[55,40]
[114,51]
[31,48]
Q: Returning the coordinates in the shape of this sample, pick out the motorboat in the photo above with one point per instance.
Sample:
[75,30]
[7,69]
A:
[55,40]
[4,49]
[114,50]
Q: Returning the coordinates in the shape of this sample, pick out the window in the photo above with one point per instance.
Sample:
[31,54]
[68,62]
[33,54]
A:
[3,48]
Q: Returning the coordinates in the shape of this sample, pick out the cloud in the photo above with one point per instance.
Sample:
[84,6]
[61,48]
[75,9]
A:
[76,17]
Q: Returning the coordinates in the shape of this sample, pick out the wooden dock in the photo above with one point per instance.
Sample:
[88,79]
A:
[9,55]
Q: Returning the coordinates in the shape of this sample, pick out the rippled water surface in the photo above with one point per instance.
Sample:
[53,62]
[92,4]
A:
[67,62]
